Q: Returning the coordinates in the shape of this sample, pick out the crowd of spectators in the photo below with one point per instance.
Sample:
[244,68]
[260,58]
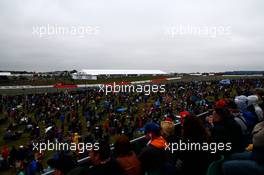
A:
[236,117]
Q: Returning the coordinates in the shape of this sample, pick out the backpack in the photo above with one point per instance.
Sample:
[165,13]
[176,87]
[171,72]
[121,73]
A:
[240,120]
[250,120]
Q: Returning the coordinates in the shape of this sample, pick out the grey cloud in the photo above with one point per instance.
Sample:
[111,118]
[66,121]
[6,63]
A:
[132,35]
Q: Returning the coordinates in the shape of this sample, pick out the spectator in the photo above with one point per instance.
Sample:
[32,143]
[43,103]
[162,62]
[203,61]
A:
[101,163]
[5,152]
[226,130]
[254,101]
[196,161]
[63,164]
[260,93]
[13,156]
[5,155]
[167,129]
[154,158]
[76,138]
[246,111]
[126,157]
[248,163]
[241,121]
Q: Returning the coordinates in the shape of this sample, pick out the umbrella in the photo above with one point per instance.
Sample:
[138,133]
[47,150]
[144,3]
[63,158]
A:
[141,129]
[157,103]
[225,82]
[48,128]
[178,116]
[121,109]
[24,119]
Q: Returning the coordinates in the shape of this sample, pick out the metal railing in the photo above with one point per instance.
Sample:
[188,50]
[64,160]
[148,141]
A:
[85,159]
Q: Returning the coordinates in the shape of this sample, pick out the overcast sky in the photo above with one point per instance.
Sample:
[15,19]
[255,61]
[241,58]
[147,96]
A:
[132,35]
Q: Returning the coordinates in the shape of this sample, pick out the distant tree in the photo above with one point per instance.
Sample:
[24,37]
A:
[4,79]
[73,71]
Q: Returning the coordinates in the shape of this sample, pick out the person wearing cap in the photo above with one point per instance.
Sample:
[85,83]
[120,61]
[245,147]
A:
[154,158]
[248,163]
[247,110]
[254,101]
[221,103]
[241,102]
[184,114]
[240,120]
[5,152]
[76,138]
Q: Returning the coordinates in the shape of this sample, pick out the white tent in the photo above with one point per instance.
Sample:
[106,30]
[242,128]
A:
[225,82]
[122,72]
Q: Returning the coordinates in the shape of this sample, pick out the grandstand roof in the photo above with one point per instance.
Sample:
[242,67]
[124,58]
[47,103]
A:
[121,72]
